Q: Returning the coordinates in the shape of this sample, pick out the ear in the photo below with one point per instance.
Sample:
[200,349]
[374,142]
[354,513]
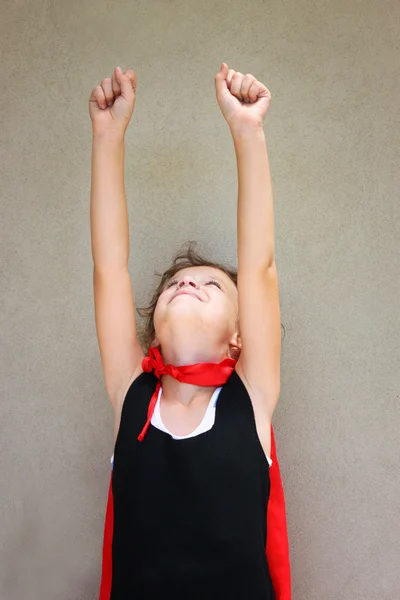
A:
[235,346]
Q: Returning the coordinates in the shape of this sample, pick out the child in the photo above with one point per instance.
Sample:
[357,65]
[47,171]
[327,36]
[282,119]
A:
[192,469]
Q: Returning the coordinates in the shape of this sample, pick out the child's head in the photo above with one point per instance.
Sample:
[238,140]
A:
[211,316]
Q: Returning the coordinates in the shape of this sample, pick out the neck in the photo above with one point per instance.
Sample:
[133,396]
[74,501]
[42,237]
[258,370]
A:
[184,352]
[188,354]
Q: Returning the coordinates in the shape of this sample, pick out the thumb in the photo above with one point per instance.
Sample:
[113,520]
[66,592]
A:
[127,82]
[220,81]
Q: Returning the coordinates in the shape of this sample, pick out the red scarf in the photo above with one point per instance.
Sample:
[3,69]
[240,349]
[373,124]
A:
[277,551]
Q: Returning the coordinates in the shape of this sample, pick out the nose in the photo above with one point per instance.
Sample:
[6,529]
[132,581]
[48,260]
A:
[188,280]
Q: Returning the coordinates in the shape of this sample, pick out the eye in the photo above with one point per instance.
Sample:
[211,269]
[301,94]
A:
[171,283]
[216,283]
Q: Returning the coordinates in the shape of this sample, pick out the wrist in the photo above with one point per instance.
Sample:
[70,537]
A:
[109,137]
[247,132]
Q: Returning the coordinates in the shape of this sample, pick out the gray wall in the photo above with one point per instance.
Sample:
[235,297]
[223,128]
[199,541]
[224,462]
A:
[333,140]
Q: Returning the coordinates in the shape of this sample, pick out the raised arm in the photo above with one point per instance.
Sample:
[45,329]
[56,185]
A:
[120,350]
[244,102]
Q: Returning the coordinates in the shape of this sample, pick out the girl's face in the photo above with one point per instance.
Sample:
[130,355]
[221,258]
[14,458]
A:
[197,300]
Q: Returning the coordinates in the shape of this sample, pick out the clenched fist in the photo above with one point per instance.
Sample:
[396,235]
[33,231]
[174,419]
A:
[111,104]
[243,100]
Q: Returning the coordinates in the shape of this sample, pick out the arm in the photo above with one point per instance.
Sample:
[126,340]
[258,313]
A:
[120,350]
[108,210]
[255,217]
[259,312]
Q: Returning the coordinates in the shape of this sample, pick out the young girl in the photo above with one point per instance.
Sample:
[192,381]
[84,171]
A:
[194,459]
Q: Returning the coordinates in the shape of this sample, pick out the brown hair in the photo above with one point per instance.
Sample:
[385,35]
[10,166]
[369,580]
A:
[187,256]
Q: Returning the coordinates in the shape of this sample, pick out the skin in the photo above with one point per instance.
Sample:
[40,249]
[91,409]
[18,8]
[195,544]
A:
[191,330]
[207,333]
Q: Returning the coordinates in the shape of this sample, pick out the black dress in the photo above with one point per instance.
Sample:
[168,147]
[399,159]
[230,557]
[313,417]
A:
[190,515]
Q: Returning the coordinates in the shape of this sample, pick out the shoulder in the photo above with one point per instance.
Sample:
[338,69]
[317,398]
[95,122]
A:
[138,378]
[261,416]
[125,389]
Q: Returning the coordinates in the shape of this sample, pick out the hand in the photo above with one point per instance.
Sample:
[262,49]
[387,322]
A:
[120,93]
[243,99]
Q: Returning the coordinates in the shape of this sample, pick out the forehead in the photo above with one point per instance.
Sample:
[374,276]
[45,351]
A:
[201,273]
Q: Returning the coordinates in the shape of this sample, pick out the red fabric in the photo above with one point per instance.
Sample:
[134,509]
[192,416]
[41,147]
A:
[199,374]
[277,549]
[277,536]
[105,586]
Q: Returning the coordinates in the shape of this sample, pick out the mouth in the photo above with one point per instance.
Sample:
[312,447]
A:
[185,294]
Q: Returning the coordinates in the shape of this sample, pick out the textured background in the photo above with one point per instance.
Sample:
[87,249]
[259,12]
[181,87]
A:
[332,129]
